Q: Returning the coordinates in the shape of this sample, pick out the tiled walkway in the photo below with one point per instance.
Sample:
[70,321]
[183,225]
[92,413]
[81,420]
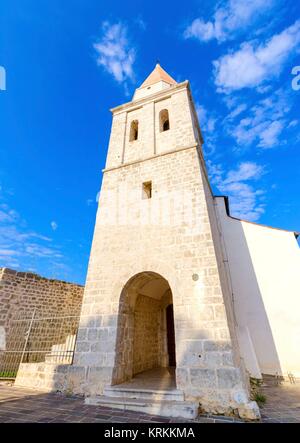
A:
[20,405]
[283,403]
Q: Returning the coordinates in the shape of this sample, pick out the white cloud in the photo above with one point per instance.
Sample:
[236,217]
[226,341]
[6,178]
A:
[231,101]
[263,123]
[216,172]
[115,53]
[293,123]
[207,123]
[245,171]
[6,214]
[269,136]
[200,30]
[20,246]
[253,64]
[263,89]
[245,200]
[54,225]
[141,23]
[8,253]
[237,111]
[232,17]
[41,251]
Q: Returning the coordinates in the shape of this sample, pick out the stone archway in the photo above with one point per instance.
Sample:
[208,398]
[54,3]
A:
[144,328]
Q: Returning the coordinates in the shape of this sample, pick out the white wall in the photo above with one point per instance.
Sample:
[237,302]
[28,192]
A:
[264,266]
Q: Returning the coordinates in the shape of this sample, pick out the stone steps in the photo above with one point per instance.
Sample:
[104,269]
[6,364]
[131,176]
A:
[164,408]
[142,393]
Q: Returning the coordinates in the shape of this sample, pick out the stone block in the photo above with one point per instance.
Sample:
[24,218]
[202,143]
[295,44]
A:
[249,411]
[211,359]
[81,334]
[91,359]
[228,378]
[203,378]
[63,369]
[182,377]
[92,334]
[227,359]
[110,320]
[220,312]
[214,345]
[83,346]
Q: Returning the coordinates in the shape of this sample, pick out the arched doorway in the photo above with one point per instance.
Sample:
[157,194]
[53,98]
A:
[146,333]
[171,336]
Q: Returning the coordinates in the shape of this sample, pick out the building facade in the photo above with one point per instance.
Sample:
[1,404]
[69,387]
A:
[175,314]
[156,249]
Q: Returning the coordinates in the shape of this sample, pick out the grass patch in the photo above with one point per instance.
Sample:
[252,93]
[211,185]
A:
[260,398]
[8,374]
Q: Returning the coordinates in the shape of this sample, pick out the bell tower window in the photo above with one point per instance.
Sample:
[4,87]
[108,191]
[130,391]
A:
[134,130]
[147,190]
[164,122]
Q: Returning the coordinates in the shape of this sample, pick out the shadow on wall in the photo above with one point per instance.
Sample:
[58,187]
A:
[257,344]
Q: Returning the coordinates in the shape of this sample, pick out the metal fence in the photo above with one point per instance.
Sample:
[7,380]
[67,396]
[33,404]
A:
[34,339]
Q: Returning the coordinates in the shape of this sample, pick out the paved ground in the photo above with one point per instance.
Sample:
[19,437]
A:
[20,405]
[283,403]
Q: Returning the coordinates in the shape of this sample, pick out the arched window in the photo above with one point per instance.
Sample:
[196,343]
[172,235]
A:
[134,130]
[164,122]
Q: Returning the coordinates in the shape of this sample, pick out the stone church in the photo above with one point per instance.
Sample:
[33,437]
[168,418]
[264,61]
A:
[183,303]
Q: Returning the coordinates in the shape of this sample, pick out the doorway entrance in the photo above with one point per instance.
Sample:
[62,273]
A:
[171,336]
[145,334]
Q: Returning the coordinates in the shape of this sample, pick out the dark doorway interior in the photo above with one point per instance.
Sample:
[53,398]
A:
[171,336]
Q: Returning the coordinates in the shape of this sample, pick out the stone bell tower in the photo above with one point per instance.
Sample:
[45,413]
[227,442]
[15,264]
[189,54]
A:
[157,317]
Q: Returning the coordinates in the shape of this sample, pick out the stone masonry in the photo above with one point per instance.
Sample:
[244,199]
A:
[135,235]
[20,294]
[172,237]
[146,337]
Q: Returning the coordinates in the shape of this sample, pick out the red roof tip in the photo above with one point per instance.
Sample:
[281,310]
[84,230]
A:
[158,74]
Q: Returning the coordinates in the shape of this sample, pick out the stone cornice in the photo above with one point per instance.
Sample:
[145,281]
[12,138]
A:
[130,106]
[173,151]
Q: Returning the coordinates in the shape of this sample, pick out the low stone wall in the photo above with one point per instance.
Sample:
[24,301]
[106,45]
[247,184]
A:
[20,294]
[51,377]
[43,376]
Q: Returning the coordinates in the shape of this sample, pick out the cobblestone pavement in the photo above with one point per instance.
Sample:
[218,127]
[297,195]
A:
[283,403]
[21,405]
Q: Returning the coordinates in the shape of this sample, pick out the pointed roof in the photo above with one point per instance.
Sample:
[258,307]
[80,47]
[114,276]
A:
[158,74]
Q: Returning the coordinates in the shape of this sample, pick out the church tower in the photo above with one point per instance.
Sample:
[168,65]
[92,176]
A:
[157,313]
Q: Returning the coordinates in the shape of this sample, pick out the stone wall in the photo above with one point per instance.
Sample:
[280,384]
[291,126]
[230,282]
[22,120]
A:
[172,234]
[20,294]
[146,345]
[45,376]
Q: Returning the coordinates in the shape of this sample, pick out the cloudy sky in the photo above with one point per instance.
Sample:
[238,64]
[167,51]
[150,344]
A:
[68,62]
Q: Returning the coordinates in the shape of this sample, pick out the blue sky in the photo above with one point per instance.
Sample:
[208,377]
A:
[67,63]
